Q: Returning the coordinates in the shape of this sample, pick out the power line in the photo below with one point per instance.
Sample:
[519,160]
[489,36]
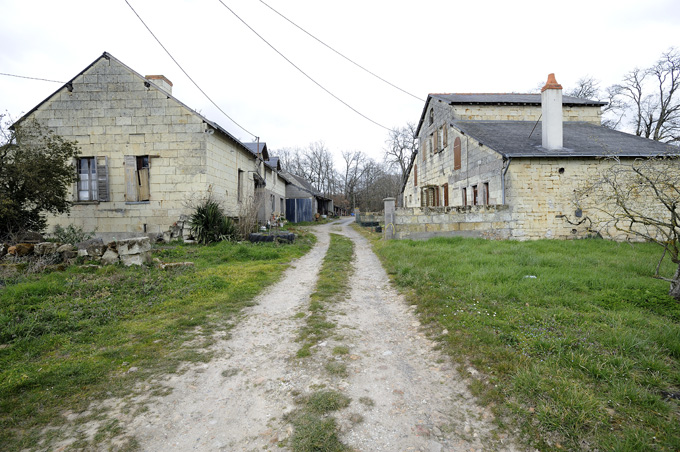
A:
[301,71]
[185,73]
[345,57]
[32,78]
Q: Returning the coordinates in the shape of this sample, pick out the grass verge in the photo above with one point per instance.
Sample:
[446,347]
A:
[574,340]
[70,338]
[333,282]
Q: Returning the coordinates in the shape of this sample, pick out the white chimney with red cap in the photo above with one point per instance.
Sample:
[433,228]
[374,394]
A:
[551,109]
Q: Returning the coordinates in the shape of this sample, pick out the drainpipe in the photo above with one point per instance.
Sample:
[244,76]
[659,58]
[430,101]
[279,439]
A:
[505,170]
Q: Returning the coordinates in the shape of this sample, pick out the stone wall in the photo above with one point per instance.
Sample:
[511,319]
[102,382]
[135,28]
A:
[490,221]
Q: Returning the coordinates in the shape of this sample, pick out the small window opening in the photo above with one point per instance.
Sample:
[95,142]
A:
[561,171]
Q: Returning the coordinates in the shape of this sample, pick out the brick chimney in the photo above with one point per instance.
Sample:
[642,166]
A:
[551,108]
[162,82]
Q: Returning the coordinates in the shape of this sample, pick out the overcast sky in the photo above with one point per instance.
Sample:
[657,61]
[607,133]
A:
[423,47]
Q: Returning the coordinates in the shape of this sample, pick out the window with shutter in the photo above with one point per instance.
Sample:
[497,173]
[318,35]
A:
[415,175]
[475,195]
[87,179]
[445,189]
[433,137]
[136,178]
[423,149]
[485,193]
[456,154]
[445,138]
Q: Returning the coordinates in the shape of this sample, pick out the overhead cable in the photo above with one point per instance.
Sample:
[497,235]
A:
[343,56]
[185,73]
[301,71]
[31,78]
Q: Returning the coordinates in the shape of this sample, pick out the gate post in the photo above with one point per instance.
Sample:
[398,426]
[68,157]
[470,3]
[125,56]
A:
[389,217]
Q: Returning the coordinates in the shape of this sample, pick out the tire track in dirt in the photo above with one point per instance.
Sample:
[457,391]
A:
[421,403]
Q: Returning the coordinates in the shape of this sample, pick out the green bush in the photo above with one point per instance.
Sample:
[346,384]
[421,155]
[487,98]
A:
[209,224]
[71,234]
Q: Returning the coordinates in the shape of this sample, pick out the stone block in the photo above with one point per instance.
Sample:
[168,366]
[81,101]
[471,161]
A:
[135,251]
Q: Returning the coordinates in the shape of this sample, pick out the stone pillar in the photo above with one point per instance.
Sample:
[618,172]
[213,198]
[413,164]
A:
[389,217]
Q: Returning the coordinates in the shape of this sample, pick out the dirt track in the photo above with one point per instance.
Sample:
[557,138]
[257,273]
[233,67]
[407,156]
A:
[237,401]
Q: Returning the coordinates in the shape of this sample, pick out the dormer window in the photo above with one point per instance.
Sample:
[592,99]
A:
[431,116]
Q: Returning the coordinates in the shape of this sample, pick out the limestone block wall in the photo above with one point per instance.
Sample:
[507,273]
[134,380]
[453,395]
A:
[523,113]
[479,165]
[112,114]
[490,221]
[542,195]
[224,161]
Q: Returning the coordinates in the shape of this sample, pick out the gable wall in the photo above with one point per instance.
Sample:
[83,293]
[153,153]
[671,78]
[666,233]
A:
[479,164]
[111,113]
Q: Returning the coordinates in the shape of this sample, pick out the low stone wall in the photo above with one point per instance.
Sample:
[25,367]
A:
[493,221]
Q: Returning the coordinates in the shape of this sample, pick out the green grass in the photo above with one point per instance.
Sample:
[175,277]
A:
[584,354]
[314,430]
[332,283]
[68,338]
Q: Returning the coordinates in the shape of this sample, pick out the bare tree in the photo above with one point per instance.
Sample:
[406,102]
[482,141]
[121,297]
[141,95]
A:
[353,170]
[401,145]
[586,88]
[639,199]
[652,99]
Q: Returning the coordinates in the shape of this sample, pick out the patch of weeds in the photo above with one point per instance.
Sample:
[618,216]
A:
[300,315]
[227,373]
[323,402]
[314,430]
[341,350]
[336,368]
[367,401]
[356,418]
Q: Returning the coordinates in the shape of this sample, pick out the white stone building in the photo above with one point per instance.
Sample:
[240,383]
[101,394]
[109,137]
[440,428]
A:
[144,154]
[507,165]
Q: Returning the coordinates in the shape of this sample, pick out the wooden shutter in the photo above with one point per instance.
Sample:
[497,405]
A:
[456,154]
[445,132]
[423,149]
[143,189]
[131,182]
[434,142]
[415,175]
[102,179]
[445,187]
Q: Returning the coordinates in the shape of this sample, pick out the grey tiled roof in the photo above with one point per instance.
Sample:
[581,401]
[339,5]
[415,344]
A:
[512,139]
[509,98]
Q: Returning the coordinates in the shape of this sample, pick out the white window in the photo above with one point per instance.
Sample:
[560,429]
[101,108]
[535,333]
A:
[93,180]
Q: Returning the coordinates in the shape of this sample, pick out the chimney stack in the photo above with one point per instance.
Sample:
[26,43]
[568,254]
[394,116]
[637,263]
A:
[551,108]
[162,82]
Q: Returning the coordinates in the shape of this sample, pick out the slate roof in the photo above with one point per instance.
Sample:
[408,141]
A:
[581,139]
[253,147]
[509,99]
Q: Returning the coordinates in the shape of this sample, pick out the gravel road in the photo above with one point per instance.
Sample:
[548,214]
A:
[405,395]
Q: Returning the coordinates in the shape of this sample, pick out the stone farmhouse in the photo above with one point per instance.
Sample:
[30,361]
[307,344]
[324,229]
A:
[507,165]
[145,155]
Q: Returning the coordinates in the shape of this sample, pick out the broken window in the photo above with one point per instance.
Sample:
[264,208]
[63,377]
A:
[445,136]
[463,192]
[485,193]
[456,154]
[431,116]
[137,178]
[475,195]
[93,179]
